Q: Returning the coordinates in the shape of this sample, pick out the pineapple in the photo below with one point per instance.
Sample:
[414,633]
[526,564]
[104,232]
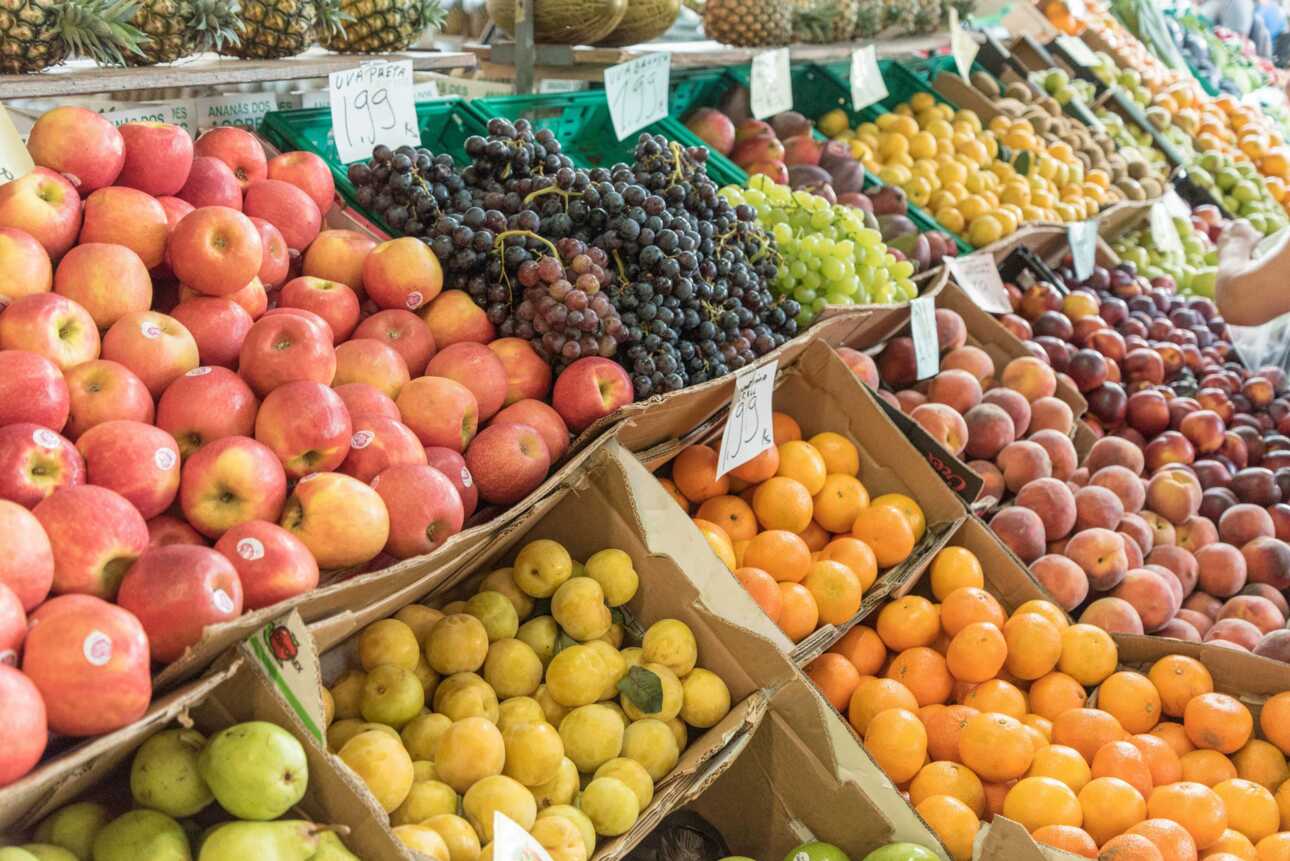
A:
[899,16]
[927,16]
[271,29]
[181,28]
[822,21]
[868,20]
[37,34]
[746,23]
[380,26]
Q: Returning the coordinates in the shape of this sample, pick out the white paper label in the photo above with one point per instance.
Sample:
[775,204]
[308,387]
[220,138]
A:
[1163,231]
[512,843]
[236,109]
[962,45]
[927,346]
[250,549]
[181,113]
[372,105]
[1078,50]
[466,480]
[46,438]
[1083,240]
[979,277]
[867,85]
[637,92]
[165,459]
[222,601]
[770,84]
[361,439]
[15,161]
[199,371]
[1177,207]
[97,648]
[749,428]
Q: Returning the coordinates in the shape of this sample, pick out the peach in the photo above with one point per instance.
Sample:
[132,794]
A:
[1196,532]
[951,331]
[237,148]
[1061,452]
[944,424]
[1204,604]
[1053,501]
[507,462]
[306,425]
[1147,412]
[109,281]
[210,182]
[215,250]
[989,431]
[1133,555]
[861,364]
[276,262]
[1275,645]
[1177,561]
[204,405]
[1031,377]
[218,325]
[158,157]
[1267,560]
[1022,531]
[1239,631]
[379,442]
[338,255]
[1196,619]
[1162,531]
[542,418]
[408,335]
[958,390]
[1179,629]
[402,273]
[362,399]
[101,391]
[309,173]
[1097,507]
[79,143]
[1113,615]
[908,399]
[1174,494]
[992,483]
[1016,406]
[453,316]
[1263,590]
[1136,528]
[1114,451]
[1124,484]
[342,521]
[1051,414]
[477,368]
[974,360]
[366,360]
[1100,553]
[155,346]
[1023,462]
[52,326]
[528,376]
[1204,430]
[1260,612]
[1169,447]
[896,363]
[24,266]
[1064,580]
[282,348]
[440,412]
[287,208]
[1151,596]
[1242,523]
[44,205]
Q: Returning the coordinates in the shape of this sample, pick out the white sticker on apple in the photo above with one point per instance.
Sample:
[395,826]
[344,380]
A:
[10,657]
[97,648]
[414,300]
[466,480]
[165,459]
[150,330]
[222,601]
[46,438]
[200,371]
[250,549]
[361,439]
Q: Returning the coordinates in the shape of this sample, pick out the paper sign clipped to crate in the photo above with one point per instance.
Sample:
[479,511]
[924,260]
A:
[373,104]
[962,45]
[637,92]
[1164,233]
[1083,241]
[15,161]
[749,428]
[770,84]
[979,277]
[927,345]
[867,85]
[513,843]
[283,650]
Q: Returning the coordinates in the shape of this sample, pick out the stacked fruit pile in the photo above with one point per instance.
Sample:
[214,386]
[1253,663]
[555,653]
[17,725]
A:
[1195,269]
[522,700]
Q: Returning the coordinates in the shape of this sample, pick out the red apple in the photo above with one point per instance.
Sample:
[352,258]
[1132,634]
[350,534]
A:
[89,659]
[204,405]
[52,326]
[211,183]
[176,591]
[527,374]
[338,255]
[237,148]
[108,281]
[35,462]
[379,442]
[79,143]
[404,331]
[439,411]
[590,389]
[276,262]
[283,348]
[367,360]
[175,209]
[272,564]
[96,535]
[477,368]
[342,521]
[44,205]
[542,418]
[309,173]
[253,298]
[402,273]
[306,425]
[231,481]
[155,346]
[453,316]
[331,300]
[13,626]
[313,318]
[138,461]
[287,208]
[24,266]
[158,157]
[507,462]
[166,529]
[453,465]
[215,250]
[101,391]
[32,389]
[713,128]
[24,734]
[362,399]
[425,508]
[27,565]
[126,216]
[218,326]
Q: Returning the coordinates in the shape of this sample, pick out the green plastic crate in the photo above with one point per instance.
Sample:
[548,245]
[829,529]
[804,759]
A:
[902,84]
[701,88]
[583,126]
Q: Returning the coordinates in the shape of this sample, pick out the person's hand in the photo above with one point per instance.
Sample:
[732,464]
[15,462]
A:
[1239,234]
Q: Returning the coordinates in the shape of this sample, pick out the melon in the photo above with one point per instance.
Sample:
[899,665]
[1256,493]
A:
[563,22]
[645,21]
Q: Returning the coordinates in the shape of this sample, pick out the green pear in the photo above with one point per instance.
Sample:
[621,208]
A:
[331,849]
[48,852]
[142,835]
[284,840]
[13,853]
[257,770]
[164,773]
[73,828]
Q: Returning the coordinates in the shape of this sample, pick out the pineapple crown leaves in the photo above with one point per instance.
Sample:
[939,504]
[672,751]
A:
[101,30]
[216,24]
[332,19]
[814,19]
[432,14]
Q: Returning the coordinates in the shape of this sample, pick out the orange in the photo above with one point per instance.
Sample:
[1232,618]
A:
[1206,766]
[962,607]
[1038,740]
[895,738]
[997,695]
[977,652]
[1073,840]
[1111,807]
[1054,693]
[1283,802]
[1251,809]
[1129,847]
[1132,699]
[1088,654]
[995,746]
[1034,645]
[760,468]
[836,589]
[1061,763]
[1175,735]
[839,501]
[1161,759]
[1038,801]
[949,778]
[1086,730]
[1123,760]
[695,473]
[839,453]
[995,793]
[670,487]
[923,671]
[800,616]
[803,463]
[1217,722]
[780,553]
[732,514]
[785,428]
[1274,720]
[835,676]
[763,589]
[856,555]
[887,532]
[907,622]
[907,507]
[953,822]
[1178,678]
[815,536]
[1274,848]
[1261,762]
[953,568]
[1232,846]
[1194,806]
[782,503]
[1173,841]
[1047,609]
[719,541]
[863,648]
[876,695]
[1041,725]
[944,725]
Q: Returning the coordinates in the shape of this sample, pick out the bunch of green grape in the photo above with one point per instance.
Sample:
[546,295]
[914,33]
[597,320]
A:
[828,255]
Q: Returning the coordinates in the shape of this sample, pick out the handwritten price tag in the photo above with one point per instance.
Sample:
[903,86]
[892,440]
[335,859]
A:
[978,275]
[372,105]
[637,92]
[927,346]
[749,429]
[15,161]
[1164,233]
[1083,240]
[962,45]
[513,843]
[867,85]
[1078,50]
[770,84]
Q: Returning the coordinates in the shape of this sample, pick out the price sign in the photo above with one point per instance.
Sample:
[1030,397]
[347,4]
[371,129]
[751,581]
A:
[15,161]
[513,843]
[1078,51]
[927,346]
[771,84]
[237,109]
[637,92]
[867,85]
[1177,207]
[372,105]
[1083,240]
[1164,233]
[962,45]
[978,275]
[749,429]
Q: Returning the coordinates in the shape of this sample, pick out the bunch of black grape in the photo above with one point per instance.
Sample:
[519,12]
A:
[565,312]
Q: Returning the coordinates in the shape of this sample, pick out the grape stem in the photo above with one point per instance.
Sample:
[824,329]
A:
[553,189]
[677,155]
[501,237]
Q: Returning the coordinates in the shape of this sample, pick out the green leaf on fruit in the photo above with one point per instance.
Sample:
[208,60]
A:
[1022,164]
[643,688]
[563,642]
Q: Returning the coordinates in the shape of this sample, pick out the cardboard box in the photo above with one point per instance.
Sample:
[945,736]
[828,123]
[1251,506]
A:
[615,502]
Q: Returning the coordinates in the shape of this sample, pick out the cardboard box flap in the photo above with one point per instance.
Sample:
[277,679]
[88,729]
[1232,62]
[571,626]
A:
[1005,840]
[1251,678]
